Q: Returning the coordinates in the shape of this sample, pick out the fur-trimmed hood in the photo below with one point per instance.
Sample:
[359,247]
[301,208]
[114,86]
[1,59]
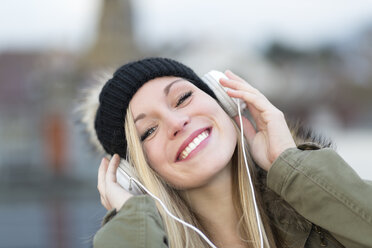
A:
[87,107]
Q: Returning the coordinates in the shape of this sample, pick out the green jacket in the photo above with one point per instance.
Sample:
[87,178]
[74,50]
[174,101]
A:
[333,202]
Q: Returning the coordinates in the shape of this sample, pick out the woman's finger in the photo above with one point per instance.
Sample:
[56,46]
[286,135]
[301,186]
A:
[112,167]
[102,175]
[238,85]
[258,101]
[238,82]
[102,182]
[105,203]
[232,75]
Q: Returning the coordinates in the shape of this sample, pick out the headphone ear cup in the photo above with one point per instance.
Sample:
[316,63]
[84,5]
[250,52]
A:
[227,103]
[124,175]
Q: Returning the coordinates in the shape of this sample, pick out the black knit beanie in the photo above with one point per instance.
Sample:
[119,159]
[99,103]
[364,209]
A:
[118,91]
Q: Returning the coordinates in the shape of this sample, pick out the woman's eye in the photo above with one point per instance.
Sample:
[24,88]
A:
[183,97]
[147,133]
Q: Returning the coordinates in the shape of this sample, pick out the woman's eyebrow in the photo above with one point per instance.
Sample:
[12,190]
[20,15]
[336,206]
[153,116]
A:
[166,92]
[167,88]
[141,116]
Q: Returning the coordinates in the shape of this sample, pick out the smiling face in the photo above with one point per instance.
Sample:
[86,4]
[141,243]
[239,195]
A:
[187,137]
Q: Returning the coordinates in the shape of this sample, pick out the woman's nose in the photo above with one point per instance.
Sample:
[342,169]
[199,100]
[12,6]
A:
[176,124]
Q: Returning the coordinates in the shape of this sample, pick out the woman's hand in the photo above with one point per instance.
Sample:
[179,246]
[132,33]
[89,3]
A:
[112,194]
[272,136]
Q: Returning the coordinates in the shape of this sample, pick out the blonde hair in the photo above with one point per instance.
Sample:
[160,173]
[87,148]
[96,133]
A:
[178,234]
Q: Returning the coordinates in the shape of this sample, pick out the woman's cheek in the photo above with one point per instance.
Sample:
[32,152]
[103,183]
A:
[147,154]
[152,156]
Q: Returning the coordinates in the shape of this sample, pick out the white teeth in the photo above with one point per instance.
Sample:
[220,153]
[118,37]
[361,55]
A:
[193,144]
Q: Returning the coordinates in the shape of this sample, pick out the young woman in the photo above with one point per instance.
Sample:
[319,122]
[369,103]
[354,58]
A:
[159,115]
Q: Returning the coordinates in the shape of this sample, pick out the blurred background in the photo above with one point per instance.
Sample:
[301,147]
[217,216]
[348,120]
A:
[312,59]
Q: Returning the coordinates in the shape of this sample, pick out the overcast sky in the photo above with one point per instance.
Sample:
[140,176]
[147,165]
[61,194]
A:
[301,23]
[70,24]
[39,24]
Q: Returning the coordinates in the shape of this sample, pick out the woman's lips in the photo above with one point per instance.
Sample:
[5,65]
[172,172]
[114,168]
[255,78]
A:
[189,140]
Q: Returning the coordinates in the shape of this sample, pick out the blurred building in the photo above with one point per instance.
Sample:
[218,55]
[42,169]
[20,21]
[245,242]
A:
[38,94]
[47,169]
[32,100]
[114,43]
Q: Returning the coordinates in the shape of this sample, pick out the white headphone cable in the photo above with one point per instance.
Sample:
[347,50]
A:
[175,217]
[250,178]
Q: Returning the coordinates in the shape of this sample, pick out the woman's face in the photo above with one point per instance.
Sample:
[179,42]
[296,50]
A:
[187,137]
